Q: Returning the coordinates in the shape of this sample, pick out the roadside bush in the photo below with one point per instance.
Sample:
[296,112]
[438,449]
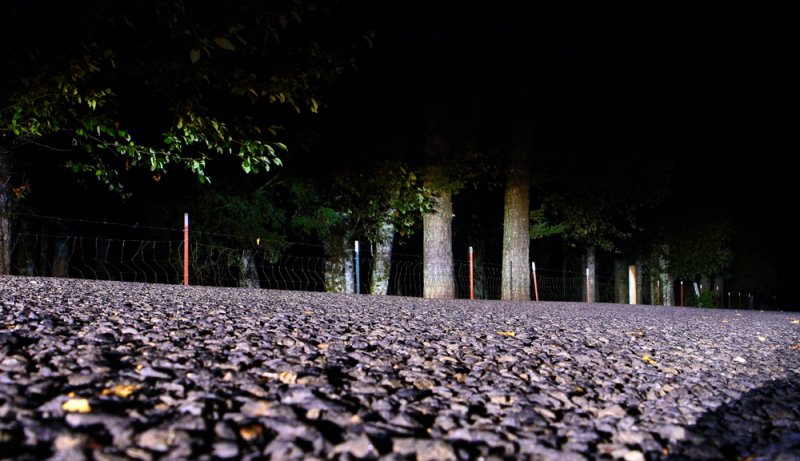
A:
[706,299]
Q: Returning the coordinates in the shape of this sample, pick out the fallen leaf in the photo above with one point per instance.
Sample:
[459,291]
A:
[224,43]
[507,333]
[724,321]
[251,432]
[649,359]
[795,321]
[636,334]
[287,377]
[323,346]
[796,347]
[739,359]
[762,338]
[502,399]
[76,405]
[121,390]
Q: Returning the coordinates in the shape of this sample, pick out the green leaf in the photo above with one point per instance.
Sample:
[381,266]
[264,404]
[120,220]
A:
[224,43]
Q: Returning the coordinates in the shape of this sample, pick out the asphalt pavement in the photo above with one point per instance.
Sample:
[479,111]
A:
[135,371]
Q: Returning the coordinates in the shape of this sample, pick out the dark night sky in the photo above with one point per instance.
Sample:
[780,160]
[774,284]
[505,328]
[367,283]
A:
[713,84]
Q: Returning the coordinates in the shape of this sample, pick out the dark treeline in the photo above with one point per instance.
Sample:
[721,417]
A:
[578,141]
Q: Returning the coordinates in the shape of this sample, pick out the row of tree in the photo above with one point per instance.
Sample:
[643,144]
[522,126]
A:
[224,91]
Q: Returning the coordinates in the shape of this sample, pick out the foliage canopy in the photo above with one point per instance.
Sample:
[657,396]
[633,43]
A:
[153,83]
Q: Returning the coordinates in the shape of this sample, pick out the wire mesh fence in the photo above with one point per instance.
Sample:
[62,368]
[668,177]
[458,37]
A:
[72,251]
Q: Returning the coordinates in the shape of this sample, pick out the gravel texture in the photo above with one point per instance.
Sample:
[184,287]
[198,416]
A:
[126,371]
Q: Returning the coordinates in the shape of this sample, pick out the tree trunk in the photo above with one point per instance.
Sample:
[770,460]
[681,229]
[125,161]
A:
[719,289]
[655,289]
[349,270]
[705,283]
[664,280]
[248,271]
[5,211]
[338,266]
[516,285]
[339,258]
[639,283]
[666,289]
[382,260]
[25,250]
[591,268]
[620,281]
[61,257]
[437,241]
[438,274]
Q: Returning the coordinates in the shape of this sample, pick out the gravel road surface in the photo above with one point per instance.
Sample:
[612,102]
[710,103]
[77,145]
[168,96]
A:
[127,371]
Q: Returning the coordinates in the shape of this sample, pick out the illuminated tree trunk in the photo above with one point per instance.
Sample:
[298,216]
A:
[349,271]
[516,283]
[338,266]
[438,275]
[437,241]
[591,267]
[664,280]
[249,273]
[382,260]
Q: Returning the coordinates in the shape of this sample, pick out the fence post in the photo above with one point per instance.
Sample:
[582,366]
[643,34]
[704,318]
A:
[471,276]
[186,249]
[681,292]
[358,272]
[535,283]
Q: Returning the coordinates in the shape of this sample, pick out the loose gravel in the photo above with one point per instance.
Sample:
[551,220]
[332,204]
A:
[127,371]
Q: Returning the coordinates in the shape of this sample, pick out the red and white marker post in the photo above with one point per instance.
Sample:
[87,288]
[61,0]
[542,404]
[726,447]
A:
[471,275]
[186,249]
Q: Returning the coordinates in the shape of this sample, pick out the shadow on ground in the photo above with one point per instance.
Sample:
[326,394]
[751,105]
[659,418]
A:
[764,424]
